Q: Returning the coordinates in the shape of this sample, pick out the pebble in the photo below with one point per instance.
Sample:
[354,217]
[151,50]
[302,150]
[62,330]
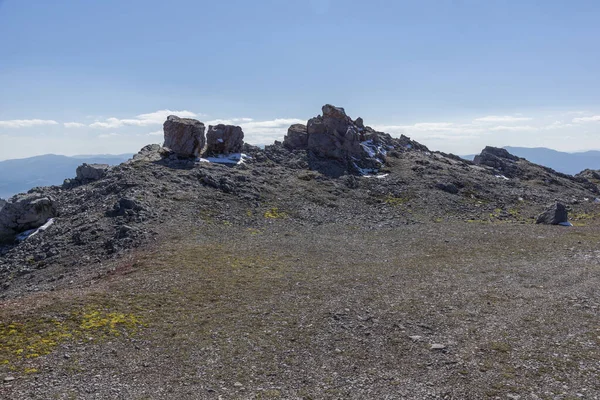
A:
[438,346]
[415,338]
[9,379]
[238,384]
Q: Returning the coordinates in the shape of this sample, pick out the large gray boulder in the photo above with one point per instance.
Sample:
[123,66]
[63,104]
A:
[555,215]
[296,138]
[184,136]
[23,212]
[91,172]
[224,139]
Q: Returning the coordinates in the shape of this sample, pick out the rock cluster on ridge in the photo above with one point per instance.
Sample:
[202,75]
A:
[337,137]
[160,189]
[184,136]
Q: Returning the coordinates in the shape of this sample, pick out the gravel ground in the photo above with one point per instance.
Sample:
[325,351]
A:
[440,311]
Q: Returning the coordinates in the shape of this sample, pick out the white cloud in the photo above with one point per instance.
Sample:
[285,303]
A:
[525,128]
[229,121]
[26,123]
[155,118]
[595,118]
[108,135]
[73,125]
[155,133]
[499,118]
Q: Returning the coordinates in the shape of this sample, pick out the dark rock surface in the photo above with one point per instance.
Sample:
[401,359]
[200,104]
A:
[184,136]
[554,215]
[224,139]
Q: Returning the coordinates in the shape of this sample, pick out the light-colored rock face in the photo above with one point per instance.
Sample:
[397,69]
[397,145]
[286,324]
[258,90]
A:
[296,138]
[91,172]
[25,212]
[184,136]
[224,139]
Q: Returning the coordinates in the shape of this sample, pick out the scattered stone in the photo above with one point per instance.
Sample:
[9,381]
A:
[447,187]
[127,205]
[9,379]
[25,212]
[91,172]
[415,338]
[184,136]
[238,384]
[554,215]
[224,139]
[437,347]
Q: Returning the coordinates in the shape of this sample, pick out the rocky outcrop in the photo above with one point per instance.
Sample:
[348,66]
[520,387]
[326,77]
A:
[336,144]
[334,135]
[184,136]
[2,203]
[590,174]
[224,139]
[296,138]
[149,153]
[499,159]
[91,172]
[23,212]
[555,215]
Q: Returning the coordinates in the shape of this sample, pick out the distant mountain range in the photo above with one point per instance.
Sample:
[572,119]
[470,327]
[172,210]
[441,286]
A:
[22,174]
[568,163]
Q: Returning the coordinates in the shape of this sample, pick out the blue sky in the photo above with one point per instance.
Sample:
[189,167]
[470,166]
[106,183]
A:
[100,76]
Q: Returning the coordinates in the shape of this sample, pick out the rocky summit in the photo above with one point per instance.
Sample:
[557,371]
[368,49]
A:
[339,263]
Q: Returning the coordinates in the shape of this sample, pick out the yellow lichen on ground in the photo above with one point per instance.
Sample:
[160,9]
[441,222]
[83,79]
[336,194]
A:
[34,338]
[274,213]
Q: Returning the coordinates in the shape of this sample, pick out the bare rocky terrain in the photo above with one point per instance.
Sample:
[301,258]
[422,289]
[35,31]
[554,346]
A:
[340,263]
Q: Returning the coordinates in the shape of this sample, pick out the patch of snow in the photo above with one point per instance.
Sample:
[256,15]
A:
[220,140]
[234,158]
[365,171]
[376,176]
[502,177]
[32,232]
[565,223]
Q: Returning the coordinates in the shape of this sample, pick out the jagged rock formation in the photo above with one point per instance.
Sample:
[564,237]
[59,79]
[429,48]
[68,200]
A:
[351,146]
[25,212]
[224,139]
[91,172]
[555,215]
[184,136]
